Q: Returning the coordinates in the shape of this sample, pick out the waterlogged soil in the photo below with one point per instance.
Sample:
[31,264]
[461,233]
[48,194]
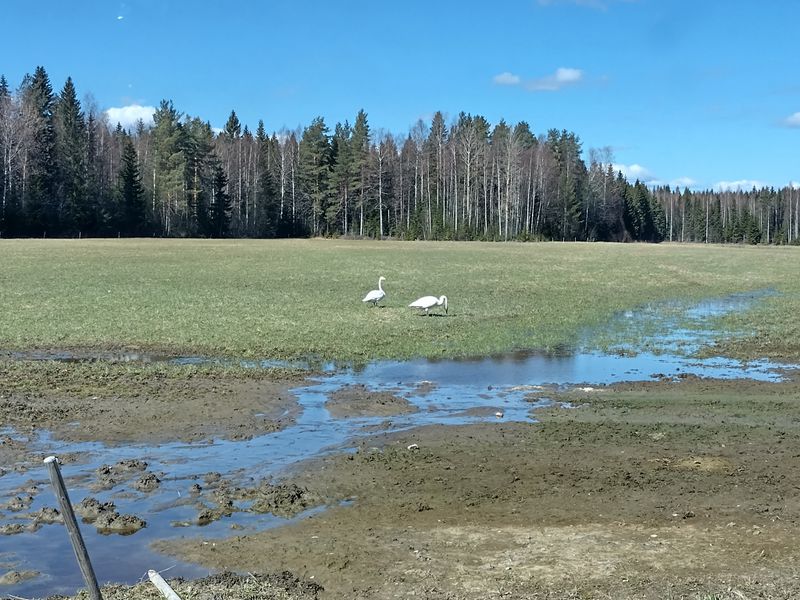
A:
[354,401]
[662,489]
[117,404]
[686,489]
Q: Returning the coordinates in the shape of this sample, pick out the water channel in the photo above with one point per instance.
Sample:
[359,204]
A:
[443,391]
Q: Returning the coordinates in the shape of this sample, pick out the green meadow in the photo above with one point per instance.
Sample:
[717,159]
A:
[302,298]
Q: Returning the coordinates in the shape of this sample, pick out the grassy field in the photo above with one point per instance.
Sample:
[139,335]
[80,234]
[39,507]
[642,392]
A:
[302,298]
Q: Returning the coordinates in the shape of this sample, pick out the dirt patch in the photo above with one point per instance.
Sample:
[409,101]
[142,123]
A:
[117,404]
[658,490]
[359,401]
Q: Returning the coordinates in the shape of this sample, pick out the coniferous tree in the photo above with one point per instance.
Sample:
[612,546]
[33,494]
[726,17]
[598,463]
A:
[169,167]
[41,189]
[314,171]
[131,212]
[70,153]
[220,208]
[198,148]
[341,177]
[267,201]
[359,165]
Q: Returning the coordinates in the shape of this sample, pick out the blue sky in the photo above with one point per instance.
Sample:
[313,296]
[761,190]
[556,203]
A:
[704,93]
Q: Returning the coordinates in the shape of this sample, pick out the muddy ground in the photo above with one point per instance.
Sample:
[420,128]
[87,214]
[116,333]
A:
[117,404]
[664,490]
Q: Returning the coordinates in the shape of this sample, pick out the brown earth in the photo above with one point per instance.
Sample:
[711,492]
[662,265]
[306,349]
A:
[656,490]
[662,490]
[120,405]
[359,401]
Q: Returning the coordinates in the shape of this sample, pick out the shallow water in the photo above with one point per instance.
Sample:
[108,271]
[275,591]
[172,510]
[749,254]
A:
[444,391]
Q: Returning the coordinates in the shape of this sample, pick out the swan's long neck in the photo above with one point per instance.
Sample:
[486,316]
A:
[380,281]
[443,300]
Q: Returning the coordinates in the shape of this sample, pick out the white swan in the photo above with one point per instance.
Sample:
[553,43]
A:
[428,302]
[376,296]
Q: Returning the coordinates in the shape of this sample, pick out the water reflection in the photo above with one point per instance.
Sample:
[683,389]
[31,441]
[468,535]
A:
[443,391]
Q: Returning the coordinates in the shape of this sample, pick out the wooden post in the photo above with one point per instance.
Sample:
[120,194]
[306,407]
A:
[162,585]
[72,527]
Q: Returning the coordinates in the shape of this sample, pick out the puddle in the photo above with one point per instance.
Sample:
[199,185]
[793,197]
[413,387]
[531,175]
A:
[443,391]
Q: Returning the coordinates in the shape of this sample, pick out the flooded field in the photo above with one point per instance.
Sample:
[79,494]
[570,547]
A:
[218,487]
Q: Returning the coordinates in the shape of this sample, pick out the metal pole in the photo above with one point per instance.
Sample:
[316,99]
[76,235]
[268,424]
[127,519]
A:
[72,527]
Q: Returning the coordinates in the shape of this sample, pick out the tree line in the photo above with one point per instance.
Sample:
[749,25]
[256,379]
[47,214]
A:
[68,172]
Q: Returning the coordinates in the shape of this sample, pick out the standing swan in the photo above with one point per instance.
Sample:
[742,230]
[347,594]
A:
[376,296]
[428,302]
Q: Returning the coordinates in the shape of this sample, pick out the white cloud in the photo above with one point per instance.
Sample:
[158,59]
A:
[792,120]
[632,172]
[682,182]
[120,17]
[795,185]
[563,77]
[127,116]
[506,78]
[739,184]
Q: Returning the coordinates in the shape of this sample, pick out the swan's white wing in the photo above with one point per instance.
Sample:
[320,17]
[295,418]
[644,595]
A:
[373,296]
[424,302]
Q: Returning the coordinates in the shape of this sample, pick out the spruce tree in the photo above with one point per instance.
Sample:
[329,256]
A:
[169,166]
[266,221]
[220,209]
[131,214]
[314,166]
[359,172]
[42,214]
[70,129]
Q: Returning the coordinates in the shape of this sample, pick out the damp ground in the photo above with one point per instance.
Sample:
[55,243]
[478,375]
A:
[655,471]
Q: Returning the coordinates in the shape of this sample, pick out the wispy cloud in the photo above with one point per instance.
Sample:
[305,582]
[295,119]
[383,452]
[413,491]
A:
[633,171]
[739,184]
[506,78]
[128,116]
[683,182]
[563,77]
[792,120]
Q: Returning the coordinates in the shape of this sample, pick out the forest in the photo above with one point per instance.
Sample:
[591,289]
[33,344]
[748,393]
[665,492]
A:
[69,172]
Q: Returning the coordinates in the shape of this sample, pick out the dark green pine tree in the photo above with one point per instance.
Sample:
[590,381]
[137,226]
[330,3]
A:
[566,148]
[199,152]
[100,200]
[314,171]
[132,211]
[220,204]
[267,201]
[70,129]
[359,165]
[337,215]
[169,169]
[42,213]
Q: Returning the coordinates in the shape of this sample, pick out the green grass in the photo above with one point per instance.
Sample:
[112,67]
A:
[301,298]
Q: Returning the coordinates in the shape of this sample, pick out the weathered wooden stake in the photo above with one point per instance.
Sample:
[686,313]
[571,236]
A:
[162,585]
[72,527]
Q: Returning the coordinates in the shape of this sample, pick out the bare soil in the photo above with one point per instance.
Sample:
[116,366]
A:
[359,401]
[641,491]
[662,490]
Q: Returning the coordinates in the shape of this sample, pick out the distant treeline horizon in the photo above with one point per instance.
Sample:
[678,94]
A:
[68,172]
